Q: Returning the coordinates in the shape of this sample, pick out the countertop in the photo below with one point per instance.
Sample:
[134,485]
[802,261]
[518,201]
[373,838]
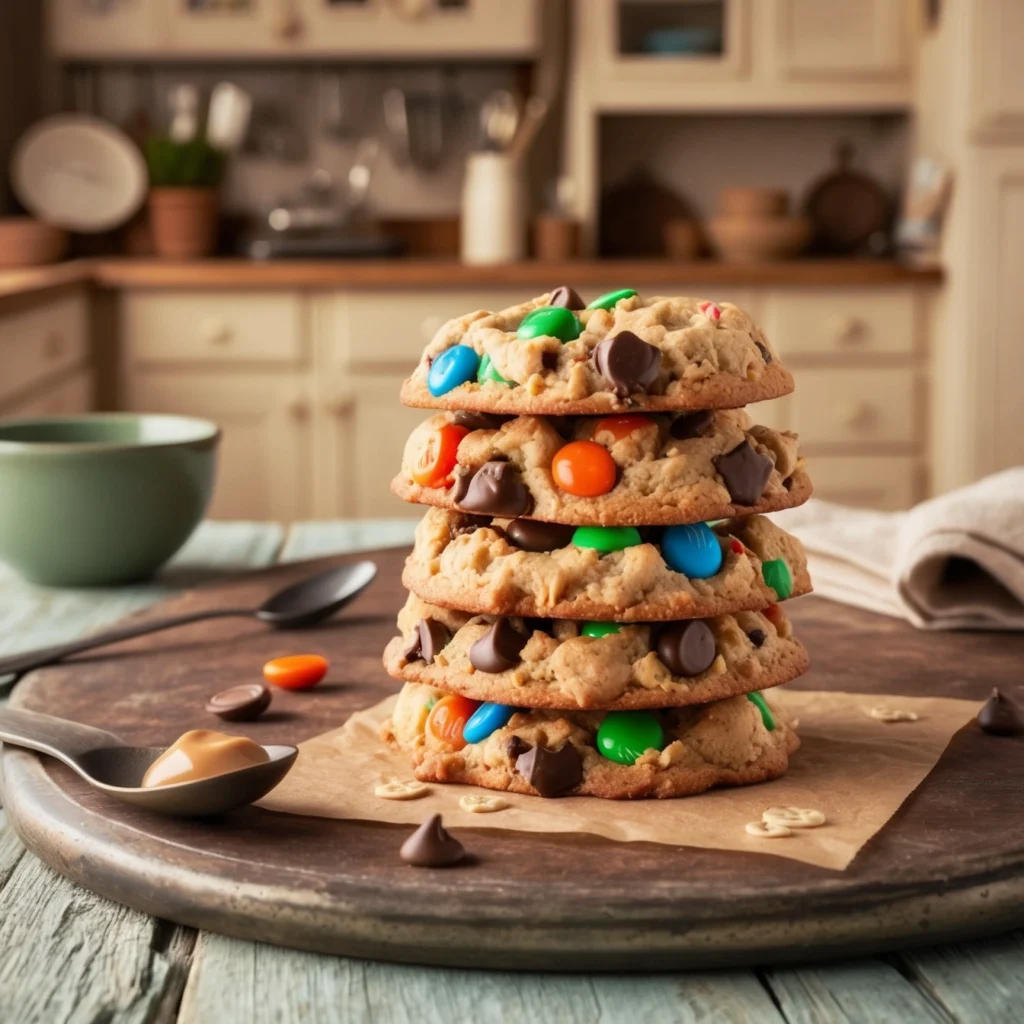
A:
[236,273]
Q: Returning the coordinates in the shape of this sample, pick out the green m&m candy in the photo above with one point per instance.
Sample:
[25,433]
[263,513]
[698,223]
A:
[625,735]
[488,372]
[599,629]
[777,575]
[550,322]
[608,300]
[606,538]
[761,704]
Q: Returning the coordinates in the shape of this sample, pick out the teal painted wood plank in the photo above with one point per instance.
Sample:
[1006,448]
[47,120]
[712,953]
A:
[981,980]
[336,537]
[232,980]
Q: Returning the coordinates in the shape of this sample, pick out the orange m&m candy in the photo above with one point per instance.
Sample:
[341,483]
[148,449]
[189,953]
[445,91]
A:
[622,426]
[297,672]
[584,468]
[447,719]
[437,456]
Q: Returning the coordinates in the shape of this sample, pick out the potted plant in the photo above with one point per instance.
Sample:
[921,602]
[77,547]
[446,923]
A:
[184,198]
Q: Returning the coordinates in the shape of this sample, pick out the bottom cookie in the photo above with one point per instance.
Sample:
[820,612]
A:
[617,755]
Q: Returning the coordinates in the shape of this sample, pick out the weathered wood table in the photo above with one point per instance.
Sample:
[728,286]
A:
[68,955]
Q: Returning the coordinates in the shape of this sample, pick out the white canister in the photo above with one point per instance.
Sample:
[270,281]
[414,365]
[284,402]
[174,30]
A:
[493,210]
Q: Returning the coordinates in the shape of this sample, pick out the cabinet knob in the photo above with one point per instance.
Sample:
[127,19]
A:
[850,331]
[857,415]
[54,345]
[217,332]
[339,408]
[299,410]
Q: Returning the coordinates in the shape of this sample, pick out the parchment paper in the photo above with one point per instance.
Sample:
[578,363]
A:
[850,766]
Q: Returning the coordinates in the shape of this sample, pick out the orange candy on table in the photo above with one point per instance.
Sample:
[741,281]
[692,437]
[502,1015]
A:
[584,468]
[438,455]
[296,672]
[448,717]
[622,426]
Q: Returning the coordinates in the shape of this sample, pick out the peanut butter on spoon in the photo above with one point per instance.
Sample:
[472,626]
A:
[200,754]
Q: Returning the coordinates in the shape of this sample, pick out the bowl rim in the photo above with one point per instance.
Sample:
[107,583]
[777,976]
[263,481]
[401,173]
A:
[204,432]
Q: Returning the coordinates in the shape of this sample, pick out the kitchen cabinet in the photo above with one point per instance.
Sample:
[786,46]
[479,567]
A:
[996,87]
[67,397]
[108,28]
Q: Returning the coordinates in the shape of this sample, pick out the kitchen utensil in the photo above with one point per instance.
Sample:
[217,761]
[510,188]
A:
[744,201]
[228,117]
[534,115]
[426,116]
[109,764]
[360,174]
[493,227]
[758,239]
[183,104]
[396,121]
[317,206]
[846,208]
[342,99]
[79,173]
[305,603]
[26,242]
[499,119]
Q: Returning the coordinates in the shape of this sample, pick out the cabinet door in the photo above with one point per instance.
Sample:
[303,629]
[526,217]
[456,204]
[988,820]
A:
[265,460]
[78,28]
[68,398]
[212,27]
[997,71]
[826,39]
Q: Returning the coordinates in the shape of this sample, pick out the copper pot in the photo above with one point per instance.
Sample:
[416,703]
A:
[184,221]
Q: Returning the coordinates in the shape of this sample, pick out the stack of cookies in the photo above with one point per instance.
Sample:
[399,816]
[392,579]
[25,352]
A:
[595,592]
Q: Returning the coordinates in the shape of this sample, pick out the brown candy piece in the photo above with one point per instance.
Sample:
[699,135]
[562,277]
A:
[745,472]
[467,523]
[691,424]
[515,747]
[765,354]
[478,420]
[495,489]
[1000,716]
[757,637]
[499,648]
[431,636]
[565,297]
[243,703]
[551,772]
[531,535]
[627,362]
[686,648]
[432,846]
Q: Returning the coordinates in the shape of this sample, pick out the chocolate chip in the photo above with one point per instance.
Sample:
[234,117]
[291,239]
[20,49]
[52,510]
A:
[495,489]
[565,297]
[686,648]
[467,523]
[1000,716]
[745,472]
[765,354]
[691,424]
[478,420]
[499,648]
[531,535]
[551,772]
[430,637]
[757,637]
[431,846]
[243,703]
[550,360]
[516,747]
[627,362]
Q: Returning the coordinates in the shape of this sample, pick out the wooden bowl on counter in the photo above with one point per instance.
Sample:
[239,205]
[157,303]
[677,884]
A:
[683,239]
[744,201]
[758,239]
[25,242]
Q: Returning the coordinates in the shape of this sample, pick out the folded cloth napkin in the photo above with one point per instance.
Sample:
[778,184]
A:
[955,562]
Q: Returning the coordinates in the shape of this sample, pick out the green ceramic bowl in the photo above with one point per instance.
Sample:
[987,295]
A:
[101,499]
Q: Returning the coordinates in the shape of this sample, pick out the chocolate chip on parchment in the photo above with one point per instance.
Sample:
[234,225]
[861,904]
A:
[478,420]
[516,747]
[686,648]
[243,703]
[499,648]
[565,297]
[765,354]
[432,846]
[531,535]
[691,424]
[430,637]
[757,637]
[627,362]
[1000,716]
[551,772]
[745,472]
[495,489]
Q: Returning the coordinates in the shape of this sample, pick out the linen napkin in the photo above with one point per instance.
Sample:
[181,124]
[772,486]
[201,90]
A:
[954,562]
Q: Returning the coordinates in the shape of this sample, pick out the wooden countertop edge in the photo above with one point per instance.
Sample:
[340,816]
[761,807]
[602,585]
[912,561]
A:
[237,273]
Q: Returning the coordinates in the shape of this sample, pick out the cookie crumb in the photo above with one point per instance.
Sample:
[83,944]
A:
[884,713]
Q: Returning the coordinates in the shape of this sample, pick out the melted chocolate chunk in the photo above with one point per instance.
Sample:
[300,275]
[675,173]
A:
[686,648]
[757,637]
[478,420]
[495,489]
[430,637]
[565,297]
[243,703]
[765,354]
[531,535]
[551,772]
[499,648]
[516,747]
[1000,716]
[432,846]
[467,523]
[691,424]
[627,362]
[550,360]
[745,472]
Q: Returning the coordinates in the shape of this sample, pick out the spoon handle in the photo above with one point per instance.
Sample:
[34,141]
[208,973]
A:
[18,664]
[54,736]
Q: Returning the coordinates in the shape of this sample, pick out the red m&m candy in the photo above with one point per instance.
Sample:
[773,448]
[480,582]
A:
[584,468]
[437,456]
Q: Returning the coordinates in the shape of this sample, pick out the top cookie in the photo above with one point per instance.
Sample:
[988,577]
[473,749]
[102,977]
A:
[550,357]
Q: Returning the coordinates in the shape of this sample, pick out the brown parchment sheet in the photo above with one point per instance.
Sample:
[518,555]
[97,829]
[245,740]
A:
[853,768]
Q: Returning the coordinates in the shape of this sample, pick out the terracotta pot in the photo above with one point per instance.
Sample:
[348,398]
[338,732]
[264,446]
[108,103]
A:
[26,242]
[184,221]
[758,239]
[555,239]
[748,201]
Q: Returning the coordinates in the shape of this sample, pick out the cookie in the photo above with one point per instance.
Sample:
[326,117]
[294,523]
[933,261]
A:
[571,753]
[566,664]
[657,354]
[483,565]
[612,471]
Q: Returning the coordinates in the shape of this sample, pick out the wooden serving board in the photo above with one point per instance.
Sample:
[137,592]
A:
[949,865]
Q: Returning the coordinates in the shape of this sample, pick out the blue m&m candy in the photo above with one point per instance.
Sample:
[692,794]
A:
[692,550]
[485,720]
[454,366]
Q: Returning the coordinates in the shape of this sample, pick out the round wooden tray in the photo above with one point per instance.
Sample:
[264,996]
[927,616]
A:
[949,865]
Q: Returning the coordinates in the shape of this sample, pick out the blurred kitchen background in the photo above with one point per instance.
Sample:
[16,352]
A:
[258,211]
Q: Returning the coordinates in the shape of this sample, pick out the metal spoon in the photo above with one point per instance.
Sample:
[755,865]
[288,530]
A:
[108,763]
[302,604]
